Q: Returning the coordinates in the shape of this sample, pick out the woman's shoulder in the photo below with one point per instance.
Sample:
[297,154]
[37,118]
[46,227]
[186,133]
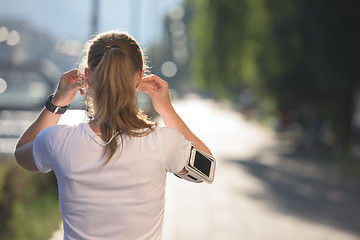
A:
[59,130]
[61,127]
[168,133]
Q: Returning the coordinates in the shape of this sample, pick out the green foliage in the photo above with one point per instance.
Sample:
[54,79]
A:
[29,207]
[302,55]
[229,37]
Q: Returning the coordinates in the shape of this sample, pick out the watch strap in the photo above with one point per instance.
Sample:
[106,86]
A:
[55,109]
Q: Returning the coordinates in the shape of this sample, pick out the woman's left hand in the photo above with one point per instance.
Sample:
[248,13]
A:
[70,83]
[158,90]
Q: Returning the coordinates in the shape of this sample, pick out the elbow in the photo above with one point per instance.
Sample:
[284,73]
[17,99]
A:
[23,156]
[18,145]
[16,154]
[18,157]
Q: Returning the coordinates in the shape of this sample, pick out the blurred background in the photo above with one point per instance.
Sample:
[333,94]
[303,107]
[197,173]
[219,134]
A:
[276,84]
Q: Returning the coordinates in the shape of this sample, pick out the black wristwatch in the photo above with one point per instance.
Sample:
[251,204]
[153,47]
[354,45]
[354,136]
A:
[54,109]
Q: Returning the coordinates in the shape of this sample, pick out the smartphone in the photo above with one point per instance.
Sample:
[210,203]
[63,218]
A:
[202,165]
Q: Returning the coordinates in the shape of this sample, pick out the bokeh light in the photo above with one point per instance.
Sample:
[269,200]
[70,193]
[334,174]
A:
[3,85]
[169,69]
[13,38]
[3,34]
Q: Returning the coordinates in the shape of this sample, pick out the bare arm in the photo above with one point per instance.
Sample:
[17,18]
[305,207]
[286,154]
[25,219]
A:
[172,120]
[158,91]
[68,86]
[23,149]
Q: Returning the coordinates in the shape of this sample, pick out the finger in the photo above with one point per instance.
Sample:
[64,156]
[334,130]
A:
[153,78]
[82,91]
[74,72]
[76,86]
[153,85]
[79,74]
[71,76]
[147,77]
[147,84]
[148,90]
[81,84]
[157,82]
[145,87]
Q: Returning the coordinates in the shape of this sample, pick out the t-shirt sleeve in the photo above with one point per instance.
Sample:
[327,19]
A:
[176,149]
[42,151]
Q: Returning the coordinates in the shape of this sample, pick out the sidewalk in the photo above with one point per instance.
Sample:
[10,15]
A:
[259,193]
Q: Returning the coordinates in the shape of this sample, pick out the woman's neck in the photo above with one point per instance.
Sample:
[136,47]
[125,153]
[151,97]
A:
[95,126]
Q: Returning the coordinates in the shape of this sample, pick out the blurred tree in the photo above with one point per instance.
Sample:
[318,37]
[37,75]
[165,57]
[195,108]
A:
[174,49]
[301,54]
[24,198]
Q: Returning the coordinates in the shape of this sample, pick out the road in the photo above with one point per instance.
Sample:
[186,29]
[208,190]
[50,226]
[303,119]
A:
[261,190]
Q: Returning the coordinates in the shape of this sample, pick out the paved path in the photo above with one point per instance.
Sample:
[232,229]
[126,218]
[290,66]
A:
[260,192]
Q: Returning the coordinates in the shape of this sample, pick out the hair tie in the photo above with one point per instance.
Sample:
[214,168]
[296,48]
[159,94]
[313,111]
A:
[114,46]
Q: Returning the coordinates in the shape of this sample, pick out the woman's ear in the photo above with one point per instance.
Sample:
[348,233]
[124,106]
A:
[139,77]
[87,76]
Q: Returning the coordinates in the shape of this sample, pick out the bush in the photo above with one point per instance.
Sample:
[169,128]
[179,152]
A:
[29,206]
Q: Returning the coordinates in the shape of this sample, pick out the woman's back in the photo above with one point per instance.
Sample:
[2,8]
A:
[123,199]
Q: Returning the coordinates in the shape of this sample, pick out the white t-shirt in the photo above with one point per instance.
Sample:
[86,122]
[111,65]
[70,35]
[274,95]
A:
[123,199]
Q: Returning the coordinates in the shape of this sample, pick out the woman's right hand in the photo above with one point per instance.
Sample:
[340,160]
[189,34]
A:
[70,83]
[158,90]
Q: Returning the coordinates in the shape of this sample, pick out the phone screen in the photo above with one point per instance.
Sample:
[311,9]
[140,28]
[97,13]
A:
[202,163]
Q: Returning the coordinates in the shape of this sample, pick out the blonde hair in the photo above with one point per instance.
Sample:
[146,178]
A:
[114,59]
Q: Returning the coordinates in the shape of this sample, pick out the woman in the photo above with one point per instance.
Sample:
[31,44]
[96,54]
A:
[111,171]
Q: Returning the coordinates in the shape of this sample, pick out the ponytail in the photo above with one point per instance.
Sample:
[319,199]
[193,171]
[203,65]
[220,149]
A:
[114,70]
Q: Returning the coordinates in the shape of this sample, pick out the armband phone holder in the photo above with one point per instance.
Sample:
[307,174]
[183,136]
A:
[199,167]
